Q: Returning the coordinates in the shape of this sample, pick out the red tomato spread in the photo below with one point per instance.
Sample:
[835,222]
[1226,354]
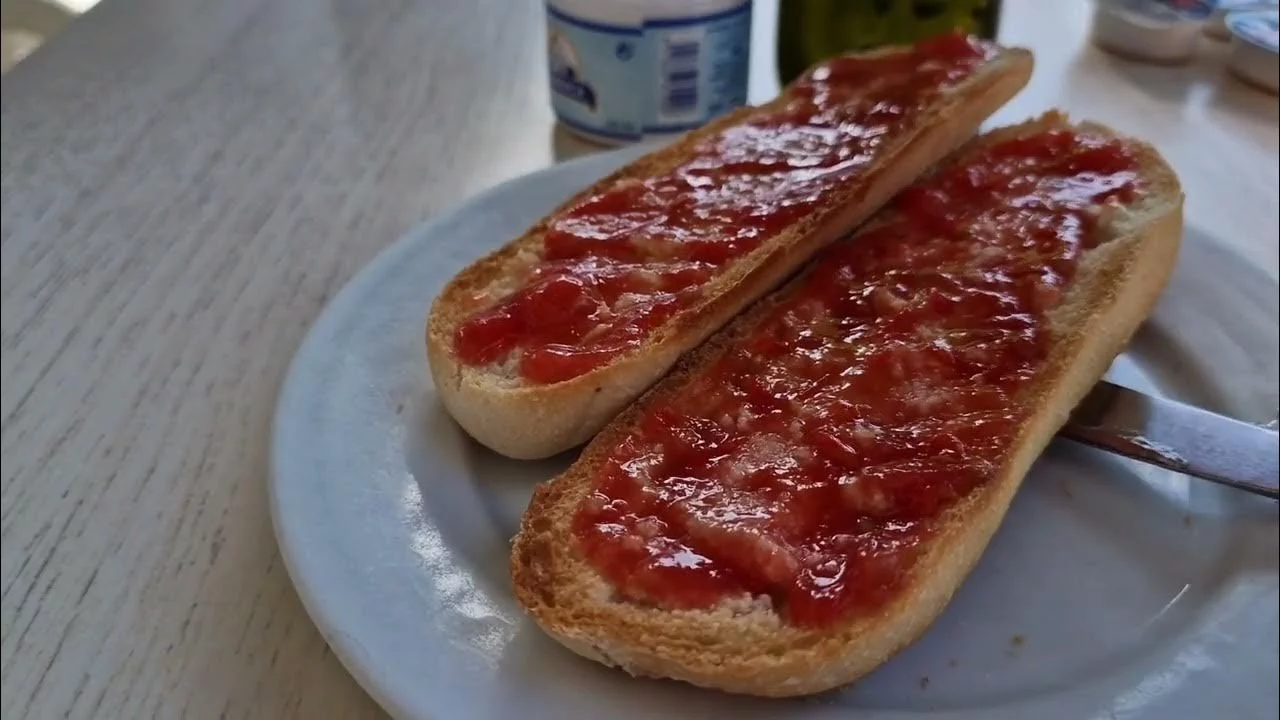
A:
[616,265]
[814,457]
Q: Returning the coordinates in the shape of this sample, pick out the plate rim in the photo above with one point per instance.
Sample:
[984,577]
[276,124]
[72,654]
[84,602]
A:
[289,391]
[290,396]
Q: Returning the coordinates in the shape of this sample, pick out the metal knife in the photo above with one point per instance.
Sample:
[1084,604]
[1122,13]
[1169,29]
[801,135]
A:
[1178,437]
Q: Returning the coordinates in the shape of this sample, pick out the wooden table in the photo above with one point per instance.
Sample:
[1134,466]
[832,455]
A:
[185,183]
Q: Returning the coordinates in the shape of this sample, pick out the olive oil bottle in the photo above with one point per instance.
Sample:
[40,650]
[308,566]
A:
[812,30]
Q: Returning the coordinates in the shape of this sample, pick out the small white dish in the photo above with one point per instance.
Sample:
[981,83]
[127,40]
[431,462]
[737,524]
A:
[1255,48]
[1148,30]
[1112,590]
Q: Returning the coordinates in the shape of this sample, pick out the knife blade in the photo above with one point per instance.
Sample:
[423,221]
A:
[1178,437]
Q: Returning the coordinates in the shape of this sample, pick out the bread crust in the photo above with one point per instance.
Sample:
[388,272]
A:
[530,421]
[751,649]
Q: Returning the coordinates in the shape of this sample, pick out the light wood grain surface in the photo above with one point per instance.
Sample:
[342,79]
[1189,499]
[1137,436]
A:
[185,184]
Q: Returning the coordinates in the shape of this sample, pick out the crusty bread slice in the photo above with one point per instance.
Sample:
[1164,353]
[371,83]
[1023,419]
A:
[744,646]
[527,421]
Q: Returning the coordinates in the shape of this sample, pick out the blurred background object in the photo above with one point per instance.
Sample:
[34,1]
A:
[25,24]
[1158,31]
[1255,48]
[814,30]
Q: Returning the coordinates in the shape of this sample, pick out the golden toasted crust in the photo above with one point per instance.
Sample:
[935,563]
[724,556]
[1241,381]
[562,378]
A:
[530,421]
[749,648]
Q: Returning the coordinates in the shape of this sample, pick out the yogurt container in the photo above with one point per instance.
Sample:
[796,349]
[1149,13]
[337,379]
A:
[1255,48]
[1216,27]
[1162,31]
[622,71]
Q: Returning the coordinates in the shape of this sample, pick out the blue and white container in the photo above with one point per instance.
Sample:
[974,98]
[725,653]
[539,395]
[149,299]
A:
[1217,25]
[1159,31]
[1255,48]
[626,70]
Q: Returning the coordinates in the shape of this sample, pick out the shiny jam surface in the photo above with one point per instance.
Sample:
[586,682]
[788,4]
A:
[620,263]
[819,451]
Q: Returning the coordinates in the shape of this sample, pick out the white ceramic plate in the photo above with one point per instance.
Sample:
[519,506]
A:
[1112,590]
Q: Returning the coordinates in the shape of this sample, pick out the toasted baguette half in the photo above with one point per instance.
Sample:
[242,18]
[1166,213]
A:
[526,421]
[744,646]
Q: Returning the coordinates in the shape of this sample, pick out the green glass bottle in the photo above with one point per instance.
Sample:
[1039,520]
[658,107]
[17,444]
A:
[813,30]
